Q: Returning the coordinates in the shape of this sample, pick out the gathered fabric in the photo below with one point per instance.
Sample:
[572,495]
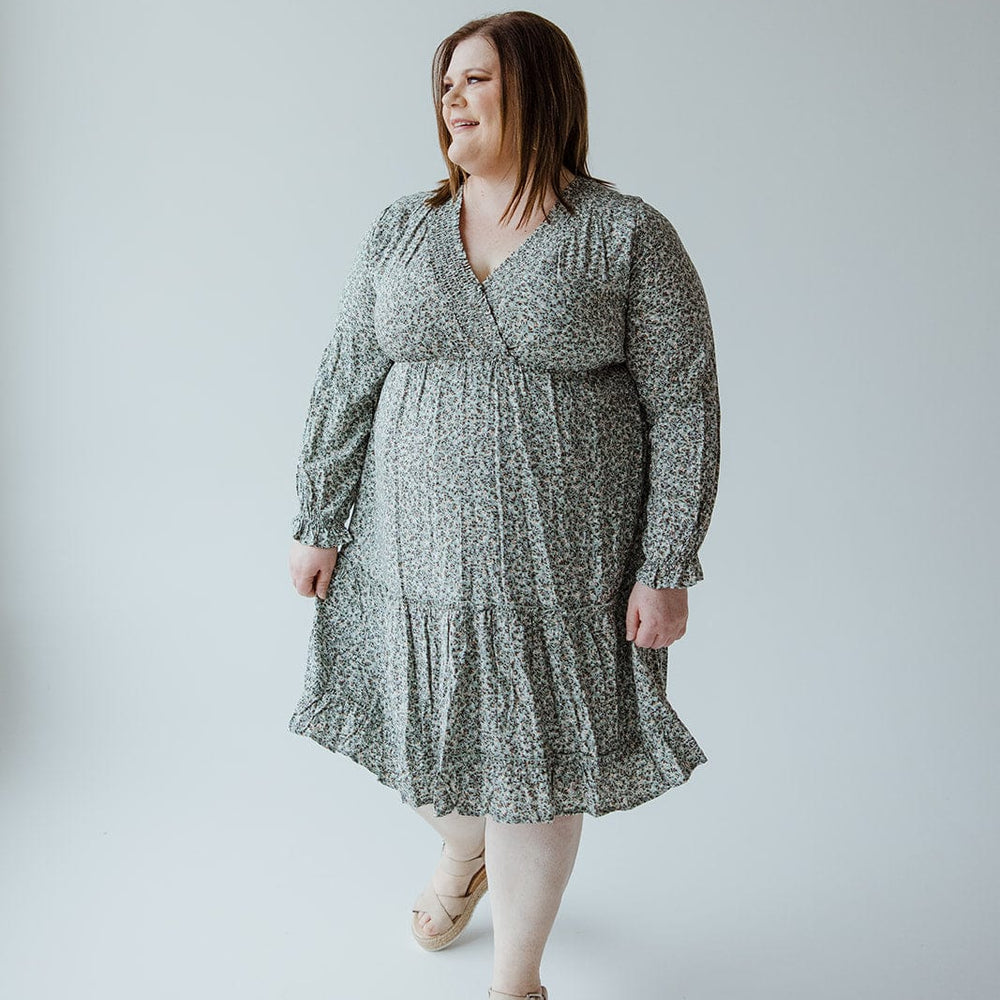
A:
[499,462]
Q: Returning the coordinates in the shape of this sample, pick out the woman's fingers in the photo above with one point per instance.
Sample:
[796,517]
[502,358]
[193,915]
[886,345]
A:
[323,580]
[311,569]
[631,619]
[656,617]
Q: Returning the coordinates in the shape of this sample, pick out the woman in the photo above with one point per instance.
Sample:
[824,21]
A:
[519,411]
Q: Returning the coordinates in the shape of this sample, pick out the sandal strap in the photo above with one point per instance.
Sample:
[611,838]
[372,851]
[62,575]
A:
[437,906]
[444,908]
[497,995]
[452,866]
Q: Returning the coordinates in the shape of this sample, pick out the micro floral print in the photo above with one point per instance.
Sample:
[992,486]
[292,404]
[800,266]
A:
[498,462]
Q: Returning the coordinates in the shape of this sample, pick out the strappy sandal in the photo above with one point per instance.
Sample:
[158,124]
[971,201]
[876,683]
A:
[496,995]
[450,914]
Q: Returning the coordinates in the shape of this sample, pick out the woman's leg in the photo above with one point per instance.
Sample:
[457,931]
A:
[464,837]
[528,866]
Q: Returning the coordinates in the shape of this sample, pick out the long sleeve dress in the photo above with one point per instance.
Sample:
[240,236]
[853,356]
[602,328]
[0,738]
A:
[511,456]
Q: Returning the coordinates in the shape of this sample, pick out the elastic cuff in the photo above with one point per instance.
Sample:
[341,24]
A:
[308,531]
[661,574]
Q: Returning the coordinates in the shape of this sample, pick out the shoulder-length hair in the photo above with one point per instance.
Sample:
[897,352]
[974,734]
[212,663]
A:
[542,97]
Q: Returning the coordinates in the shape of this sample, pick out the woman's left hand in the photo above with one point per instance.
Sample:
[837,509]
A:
[656,616]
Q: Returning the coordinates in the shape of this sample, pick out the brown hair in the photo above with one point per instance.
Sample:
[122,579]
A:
[542,95]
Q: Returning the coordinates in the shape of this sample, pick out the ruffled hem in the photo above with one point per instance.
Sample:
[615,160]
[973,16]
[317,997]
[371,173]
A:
[519,712]
[309,531]
[670,574]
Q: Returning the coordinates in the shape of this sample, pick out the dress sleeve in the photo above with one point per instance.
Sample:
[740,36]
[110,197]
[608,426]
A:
[671,356]
[341,408]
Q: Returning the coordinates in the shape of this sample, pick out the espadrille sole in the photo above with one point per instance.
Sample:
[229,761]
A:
[495,995]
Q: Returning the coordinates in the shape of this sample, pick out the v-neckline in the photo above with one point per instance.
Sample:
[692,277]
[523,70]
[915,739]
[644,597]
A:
[548,223]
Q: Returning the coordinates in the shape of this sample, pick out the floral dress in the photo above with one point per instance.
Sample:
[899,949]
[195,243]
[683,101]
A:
[498,462]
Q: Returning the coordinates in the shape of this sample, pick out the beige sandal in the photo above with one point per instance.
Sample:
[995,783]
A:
[495,995]
[450,914]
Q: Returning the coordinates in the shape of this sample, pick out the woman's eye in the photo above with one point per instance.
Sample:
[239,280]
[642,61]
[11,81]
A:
[447,86]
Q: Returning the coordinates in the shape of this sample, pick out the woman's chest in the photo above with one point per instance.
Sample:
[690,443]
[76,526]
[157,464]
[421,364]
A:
[488,245]
[555,300]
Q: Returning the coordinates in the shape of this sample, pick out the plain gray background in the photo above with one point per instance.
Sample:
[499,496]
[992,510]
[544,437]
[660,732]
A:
[183,187]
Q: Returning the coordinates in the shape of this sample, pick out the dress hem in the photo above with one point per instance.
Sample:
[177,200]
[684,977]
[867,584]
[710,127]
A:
[591,800]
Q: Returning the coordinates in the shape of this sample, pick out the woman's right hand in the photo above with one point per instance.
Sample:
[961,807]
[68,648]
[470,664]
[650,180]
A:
[311,568]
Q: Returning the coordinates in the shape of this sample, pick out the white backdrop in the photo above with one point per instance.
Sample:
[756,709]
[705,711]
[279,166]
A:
[183,187]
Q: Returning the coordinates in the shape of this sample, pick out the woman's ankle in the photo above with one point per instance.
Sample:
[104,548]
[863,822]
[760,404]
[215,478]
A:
[463,850]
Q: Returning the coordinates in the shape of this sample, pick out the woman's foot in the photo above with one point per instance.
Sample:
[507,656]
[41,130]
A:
[445,906]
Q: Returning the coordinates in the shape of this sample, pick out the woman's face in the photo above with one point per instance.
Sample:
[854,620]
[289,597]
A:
[471,91]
